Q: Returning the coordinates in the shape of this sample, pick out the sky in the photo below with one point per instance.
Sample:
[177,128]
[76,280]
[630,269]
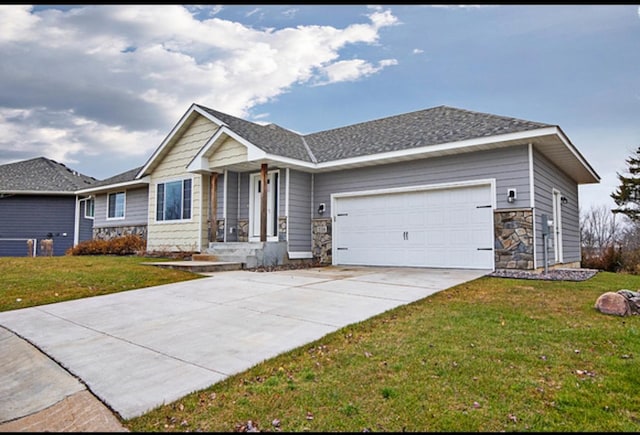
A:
[99,87]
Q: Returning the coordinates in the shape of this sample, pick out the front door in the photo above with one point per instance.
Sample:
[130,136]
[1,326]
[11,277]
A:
[272,206]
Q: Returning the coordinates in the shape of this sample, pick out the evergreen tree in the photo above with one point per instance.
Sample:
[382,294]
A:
[627,195]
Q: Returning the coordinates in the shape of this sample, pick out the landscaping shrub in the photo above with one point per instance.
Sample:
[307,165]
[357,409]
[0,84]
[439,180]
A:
[124,245]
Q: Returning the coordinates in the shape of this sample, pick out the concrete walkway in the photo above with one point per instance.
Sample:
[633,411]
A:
[139,349]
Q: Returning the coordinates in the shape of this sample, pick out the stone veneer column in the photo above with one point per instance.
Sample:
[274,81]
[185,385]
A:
[321,243]
[514,243]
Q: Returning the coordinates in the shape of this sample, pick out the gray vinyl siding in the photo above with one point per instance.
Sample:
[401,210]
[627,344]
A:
[135,213]
[232,206]
[508,166]
[282,196]
[546,177]
[243,206]
[299,220]
[36,216]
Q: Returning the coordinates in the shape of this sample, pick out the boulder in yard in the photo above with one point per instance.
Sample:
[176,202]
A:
[613,303]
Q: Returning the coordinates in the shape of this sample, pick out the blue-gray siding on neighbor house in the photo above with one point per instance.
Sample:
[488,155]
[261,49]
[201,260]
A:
[135,213]
[299,223]
[508,166]
[36,216]
[546,177]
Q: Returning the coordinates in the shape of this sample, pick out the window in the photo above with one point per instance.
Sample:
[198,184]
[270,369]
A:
[115,206]
[173,200]
[89,208]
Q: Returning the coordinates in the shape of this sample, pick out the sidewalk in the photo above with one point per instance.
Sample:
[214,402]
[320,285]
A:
[37,395]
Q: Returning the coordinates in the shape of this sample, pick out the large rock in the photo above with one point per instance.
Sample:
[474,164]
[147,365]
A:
[613,303]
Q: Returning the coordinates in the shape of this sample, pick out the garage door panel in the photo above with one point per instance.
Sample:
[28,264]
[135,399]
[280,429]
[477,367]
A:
[428,228]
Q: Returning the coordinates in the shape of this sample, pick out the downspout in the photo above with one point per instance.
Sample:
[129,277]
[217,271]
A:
[532,204]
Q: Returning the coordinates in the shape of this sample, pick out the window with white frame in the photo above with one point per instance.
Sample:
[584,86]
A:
[115,205]
[173,200]
[89,208]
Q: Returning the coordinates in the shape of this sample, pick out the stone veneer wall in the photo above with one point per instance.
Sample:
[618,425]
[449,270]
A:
[321,243]
[514,244]
[282,229]
[243,230]
[108,233]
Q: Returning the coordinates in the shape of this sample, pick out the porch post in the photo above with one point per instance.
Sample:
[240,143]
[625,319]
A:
[263,203]
[213,207]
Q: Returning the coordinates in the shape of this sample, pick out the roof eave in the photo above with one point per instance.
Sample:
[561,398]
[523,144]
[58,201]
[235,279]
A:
[140,182]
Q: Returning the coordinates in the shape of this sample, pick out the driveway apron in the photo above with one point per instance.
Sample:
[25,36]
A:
[140,349]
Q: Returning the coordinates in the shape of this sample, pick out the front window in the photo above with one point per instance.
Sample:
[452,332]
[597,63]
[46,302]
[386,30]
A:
[115,208]
[174,200]
[89,208]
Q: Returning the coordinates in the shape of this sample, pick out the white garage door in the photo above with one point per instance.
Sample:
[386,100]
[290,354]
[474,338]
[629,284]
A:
[450,227]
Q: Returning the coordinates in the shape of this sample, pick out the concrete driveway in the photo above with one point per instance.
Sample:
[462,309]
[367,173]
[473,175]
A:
[139,349]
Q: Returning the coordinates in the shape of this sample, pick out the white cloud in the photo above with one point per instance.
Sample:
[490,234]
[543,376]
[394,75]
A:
[110,77]
[417,51]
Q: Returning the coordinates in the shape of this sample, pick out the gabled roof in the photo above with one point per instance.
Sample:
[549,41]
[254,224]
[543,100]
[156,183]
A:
[271,138]
[438,131]
[41,176]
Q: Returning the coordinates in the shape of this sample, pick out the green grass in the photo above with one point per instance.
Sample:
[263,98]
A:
[494,354]
[27,282]
[491,355]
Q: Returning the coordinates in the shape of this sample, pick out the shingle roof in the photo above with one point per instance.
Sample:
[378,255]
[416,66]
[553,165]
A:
[123,177]
[41,175]
[422,128]
[441,124]
[270,138]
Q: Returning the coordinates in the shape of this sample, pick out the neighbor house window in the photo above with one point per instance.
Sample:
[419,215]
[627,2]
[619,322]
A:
[173,200]
[115,206]
[89,208]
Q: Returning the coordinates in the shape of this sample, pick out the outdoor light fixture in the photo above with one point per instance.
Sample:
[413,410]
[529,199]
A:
[321,208]
[511,195]
[564,200]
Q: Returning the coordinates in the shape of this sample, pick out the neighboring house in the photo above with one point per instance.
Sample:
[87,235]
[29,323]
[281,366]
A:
[441,187]
[38,201]
[120,205]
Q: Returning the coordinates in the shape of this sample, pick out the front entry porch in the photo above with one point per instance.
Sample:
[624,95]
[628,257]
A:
[249,254]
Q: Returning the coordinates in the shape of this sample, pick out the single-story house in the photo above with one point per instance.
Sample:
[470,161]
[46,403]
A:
[38,201]
[121,205]
[441,187]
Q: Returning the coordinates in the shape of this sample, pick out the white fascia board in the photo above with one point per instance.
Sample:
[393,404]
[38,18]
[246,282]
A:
[431,149]
[133,183]
[200,161]
[576,153]
[168,138]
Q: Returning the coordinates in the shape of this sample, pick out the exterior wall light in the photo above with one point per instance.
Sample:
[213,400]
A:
[511,195]
[321,208]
